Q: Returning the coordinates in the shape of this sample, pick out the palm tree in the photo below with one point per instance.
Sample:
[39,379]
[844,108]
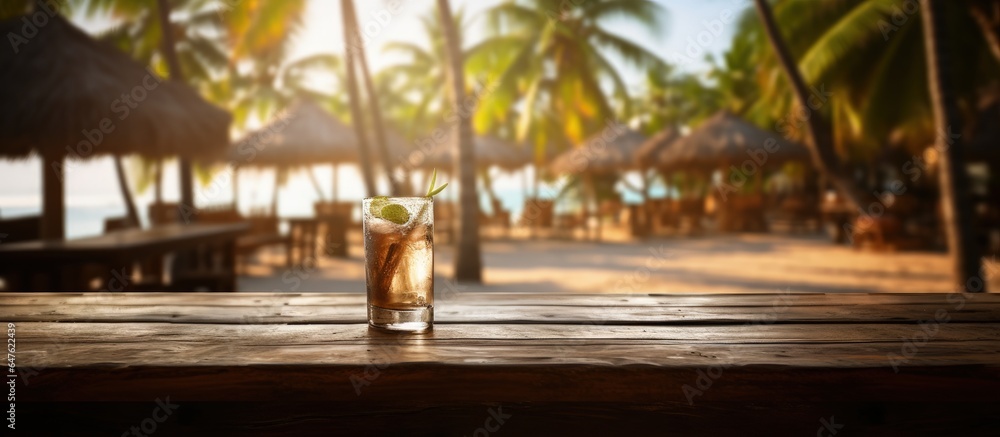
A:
[987,16]
[351,33]
[468,259]
[819,132]
[966,267]
[839,51]
[558,63]
[416,88]
[357,48]
[130,211]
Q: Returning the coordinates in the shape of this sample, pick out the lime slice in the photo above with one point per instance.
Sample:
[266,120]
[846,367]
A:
[395,213]
[375,207]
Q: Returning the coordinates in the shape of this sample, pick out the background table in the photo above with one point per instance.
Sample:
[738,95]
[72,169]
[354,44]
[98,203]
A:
[54,265]
[285,364]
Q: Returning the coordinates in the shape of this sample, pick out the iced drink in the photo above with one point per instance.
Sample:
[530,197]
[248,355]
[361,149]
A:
[399,262]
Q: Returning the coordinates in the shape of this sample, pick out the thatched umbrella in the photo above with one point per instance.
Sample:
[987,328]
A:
[67,94]
[650,151]
[607,152]
[490,151]
[726,139]
[304,135]
[610,151]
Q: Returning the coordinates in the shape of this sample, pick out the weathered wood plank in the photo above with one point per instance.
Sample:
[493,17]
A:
[295,419]
[451,312]
[494,299]
[164,345]
[428,384]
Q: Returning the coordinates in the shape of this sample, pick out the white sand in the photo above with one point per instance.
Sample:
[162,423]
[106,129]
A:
[716,264]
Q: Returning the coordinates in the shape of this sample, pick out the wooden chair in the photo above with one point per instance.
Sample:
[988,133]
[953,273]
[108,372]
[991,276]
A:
[537,214]
[335,218]
[164,213]
[689,212]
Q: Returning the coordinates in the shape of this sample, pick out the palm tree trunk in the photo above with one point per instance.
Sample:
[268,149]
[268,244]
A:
[987,16]
[820,134]
[176,75]
[351,39]
[468,259]
[158,193]
[373,105]
[274,194]
[956,206]
[130,211]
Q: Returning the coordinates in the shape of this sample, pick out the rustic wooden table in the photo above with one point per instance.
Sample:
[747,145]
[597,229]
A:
[51,265]
[511,364]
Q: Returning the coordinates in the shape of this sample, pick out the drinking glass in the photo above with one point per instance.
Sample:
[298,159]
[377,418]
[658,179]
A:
[399,262]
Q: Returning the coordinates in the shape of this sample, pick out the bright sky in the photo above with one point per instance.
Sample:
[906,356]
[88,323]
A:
[689,30]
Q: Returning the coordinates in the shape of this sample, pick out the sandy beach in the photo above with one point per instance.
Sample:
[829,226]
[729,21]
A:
[747,263]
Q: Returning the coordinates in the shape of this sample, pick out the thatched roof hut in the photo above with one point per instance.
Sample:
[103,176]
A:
[727,139]
[489,150]
[68,95]
[650,152]
[304,134]
[608,151]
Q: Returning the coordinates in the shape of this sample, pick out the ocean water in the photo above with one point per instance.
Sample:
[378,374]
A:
[93,196]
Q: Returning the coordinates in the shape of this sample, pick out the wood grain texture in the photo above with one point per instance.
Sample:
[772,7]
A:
[266,364]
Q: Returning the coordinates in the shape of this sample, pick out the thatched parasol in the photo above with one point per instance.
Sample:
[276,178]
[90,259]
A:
[67,94]
[489,150]
[727,139]
[304,135]
[609,151]
[649,152]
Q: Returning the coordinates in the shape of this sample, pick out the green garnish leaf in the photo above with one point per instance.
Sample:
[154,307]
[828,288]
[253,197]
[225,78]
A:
[431,190]
[437,190]
[434,177]
[395,213]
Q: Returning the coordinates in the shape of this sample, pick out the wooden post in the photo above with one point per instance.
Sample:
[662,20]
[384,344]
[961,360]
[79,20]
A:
[236,188]
[335,186]
[53,207]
